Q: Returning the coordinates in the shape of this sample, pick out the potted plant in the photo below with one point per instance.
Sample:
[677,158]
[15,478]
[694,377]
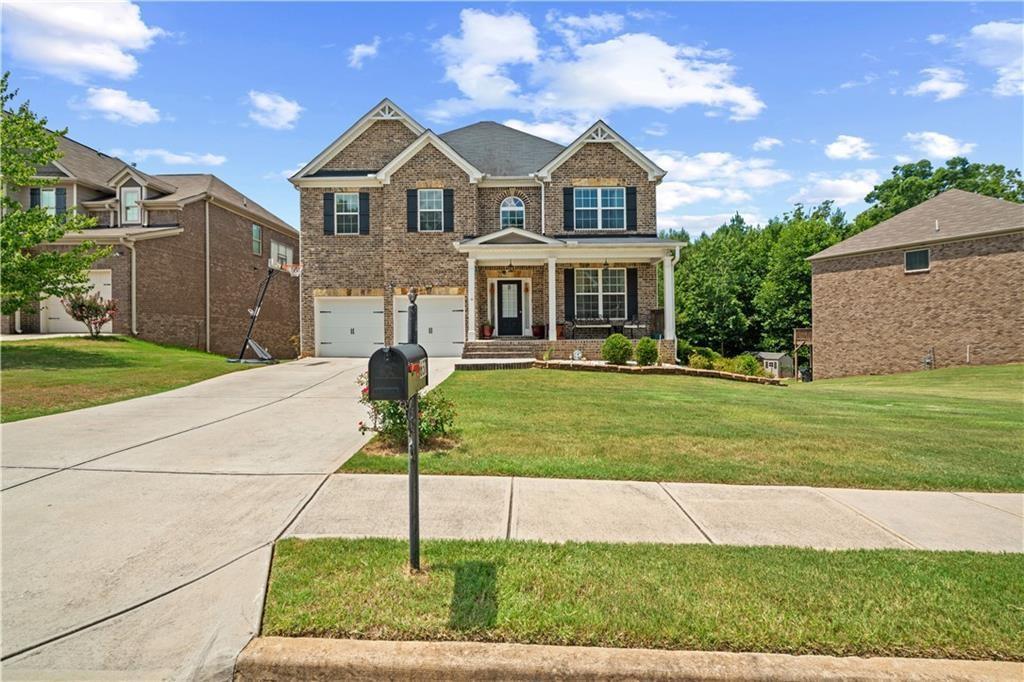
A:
[487,329]
[538,331]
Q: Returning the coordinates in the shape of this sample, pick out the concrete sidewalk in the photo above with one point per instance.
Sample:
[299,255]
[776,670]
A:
[559,510]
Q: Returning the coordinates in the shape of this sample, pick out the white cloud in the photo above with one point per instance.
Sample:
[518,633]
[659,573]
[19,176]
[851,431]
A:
[903,158]
[849,147]
[844,189]
[936,38]
[170,158]
[656,130]
[999,45]
[943,82]
[588,80]
[695,224]
[271,110]
[868,79]
[938,146]
[573,28]
[764,144]
[74,40]
[720,169]
[117,106]
[363,51]
[556,131]
[285,174]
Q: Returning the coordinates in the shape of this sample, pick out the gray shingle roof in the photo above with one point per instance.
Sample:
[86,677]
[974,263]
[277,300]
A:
[496,149]
[959,214]
[85,163]
[191,184]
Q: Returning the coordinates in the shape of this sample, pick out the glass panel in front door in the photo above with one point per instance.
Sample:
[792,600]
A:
[509,302]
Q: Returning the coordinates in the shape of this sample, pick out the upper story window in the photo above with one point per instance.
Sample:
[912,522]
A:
[431,210]
[48,199]
[916,261]
[281,253]
[599,208]
[600,293]
[131,212]
[257,240]
[513,213]
[346,213]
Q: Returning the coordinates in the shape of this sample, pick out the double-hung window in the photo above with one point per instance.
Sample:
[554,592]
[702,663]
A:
[131,212]
[48,199]
[346,213]
[600,293]
[431,210]
[599,208]
[916,261]
[281,254]
[257,240]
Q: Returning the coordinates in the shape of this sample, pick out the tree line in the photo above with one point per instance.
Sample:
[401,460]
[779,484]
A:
[745,287]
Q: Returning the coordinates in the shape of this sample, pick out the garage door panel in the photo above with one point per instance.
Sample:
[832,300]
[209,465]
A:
[56,319]
[441,323]
[349,327]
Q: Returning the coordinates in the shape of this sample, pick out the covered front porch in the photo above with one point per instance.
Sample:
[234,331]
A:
[523,285]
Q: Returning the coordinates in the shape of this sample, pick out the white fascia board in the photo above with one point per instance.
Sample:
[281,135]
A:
[428,137]
[533,236]
[385,110]
[347,182]
[602,133]
[508,181]
[567,252]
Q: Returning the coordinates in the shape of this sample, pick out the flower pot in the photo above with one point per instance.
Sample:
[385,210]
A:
[538,331]
[486,331]
[560,331]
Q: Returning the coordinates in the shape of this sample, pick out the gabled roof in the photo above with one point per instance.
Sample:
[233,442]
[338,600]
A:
[428,137]
[150,181]
[500,150]
[195,186]
[85,164]
[602,133]
[385,110]
[954,214]
[510,235]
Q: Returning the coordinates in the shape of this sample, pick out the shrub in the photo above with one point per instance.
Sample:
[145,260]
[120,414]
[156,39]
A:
[387,418]
[617,350]
[698,361]
[646,351]
[91,310]
[748,364]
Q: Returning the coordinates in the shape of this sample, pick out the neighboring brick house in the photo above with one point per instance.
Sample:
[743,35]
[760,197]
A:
[489,224]
[940,284]
[189,252]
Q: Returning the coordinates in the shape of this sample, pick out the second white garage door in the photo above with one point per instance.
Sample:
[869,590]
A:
[55,318]
[442,324]
[350,327]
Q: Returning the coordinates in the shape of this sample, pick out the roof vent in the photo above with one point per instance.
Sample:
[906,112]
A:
[246,203]
[936,224]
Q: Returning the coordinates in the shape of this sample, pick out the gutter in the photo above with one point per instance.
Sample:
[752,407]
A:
[917,244]
[129,244]
[206,250]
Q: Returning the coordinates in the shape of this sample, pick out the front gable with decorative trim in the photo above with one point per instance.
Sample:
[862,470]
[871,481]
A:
[428,137]
[602,133]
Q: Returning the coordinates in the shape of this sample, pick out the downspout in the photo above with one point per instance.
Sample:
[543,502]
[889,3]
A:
[542,212]
[675,260]
[130,245]
[17,328]
[206,206]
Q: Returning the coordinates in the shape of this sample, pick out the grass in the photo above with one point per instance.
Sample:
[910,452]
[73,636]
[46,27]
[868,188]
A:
[56,375]
[958,428]
[787,600]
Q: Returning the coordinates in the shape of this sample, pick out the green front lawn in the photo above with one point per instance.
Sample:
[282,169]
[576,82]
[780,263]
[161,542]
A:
[61,374]
[959,428]
[865,603]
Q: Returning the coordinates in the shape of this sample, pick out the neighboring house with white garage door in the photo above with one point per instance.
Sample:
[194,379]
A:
[553,246]
[188,253]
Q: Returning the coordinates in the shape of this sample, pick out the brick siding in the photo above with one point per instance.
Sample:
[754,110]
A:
[374,148]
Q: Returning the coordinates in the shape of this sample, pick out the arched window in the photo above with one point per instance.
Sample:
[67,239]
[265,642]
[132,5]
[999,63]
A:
[513,213]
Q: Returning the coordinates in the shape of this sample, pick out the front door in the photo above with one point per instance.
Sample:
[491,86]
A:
[510,308]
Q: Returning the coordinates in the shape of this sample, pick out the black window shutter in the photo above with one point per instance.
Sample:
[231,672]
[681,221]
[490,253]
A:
[411,205]
[631,208]
[567,209]
[33,197]
[631,297]
[328,212]
[364,213]
[449,210]
[61,199]
[570,293]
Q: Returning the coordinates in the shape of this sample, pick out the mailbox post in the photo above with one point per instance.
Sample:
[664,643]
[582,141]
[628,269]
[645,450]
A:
[398,373]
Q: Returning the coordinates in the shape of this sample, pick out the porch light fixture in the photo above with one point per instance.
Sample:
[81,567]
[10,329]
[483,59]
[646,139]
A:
[507,270]
[606,268]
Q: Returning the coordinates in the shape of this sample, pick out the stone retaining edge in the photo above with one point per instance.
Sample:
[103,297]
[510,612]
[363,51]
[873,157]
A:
[287,658]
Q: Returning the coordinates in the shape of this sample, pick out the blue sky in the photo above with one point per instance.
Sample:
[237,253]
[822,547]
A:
[751,107]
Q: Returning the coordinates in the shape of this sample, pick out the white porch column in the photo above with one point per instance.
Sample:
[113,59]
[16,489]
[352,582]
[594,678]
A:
[471,300]
[552,317]
[668,270]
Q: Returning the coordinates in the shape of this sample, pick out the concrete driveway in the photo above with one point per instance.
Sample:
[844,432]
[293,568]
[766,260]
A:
[137,536]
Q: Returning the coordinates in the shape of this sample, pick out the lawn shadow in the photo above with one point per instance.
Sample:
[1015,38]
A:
[475,596]
[22,355]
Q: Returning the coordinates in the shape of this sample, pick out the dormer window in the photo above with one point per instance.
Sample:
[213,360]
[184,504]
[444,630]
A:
[48,200]
[131,212]
[513,213]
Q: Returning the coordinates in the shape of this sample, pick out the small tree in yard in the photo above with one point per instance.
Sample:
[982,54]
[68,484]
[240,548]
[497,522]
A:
[646,351]
[30,274]
[617,350]
[91,310]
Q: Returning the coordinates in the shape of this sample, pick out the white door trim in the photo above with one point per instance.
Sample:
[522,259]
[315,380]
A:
[492,305]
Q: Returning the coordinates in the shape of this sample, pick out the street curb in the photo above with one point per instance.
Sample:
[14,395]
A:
[306,658]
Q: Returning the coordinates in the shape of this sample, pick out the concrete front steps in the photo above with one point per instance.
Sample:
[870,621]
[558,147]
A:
[505,348]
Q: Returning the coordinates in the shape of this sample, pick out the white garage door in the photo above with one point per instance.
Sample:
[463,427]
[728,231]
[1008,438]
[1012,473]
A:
[350,327]
[441,324]
[55,319]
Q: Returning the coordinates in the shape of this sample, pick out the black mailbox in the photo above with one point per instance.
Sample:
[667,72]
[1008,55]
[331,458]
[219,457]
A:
[397,372]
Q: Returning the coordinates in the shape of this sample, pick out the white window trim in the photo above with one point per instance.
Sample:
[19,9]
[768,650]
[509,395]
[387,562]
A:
[53,192]
[420,211]
[601,293]
[771,364]
[124,206]
[276,246]
[338,213]
[252,240]
[520,209]
[927,269]
[600,192]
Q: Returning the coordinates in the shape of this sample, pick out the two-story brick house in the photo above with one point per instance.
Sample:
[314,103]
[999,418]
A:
[188,254]
[491,225]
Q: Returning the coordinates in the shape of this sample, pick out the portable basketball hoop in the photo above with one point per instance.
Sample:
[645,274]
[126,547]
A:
[261,353]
